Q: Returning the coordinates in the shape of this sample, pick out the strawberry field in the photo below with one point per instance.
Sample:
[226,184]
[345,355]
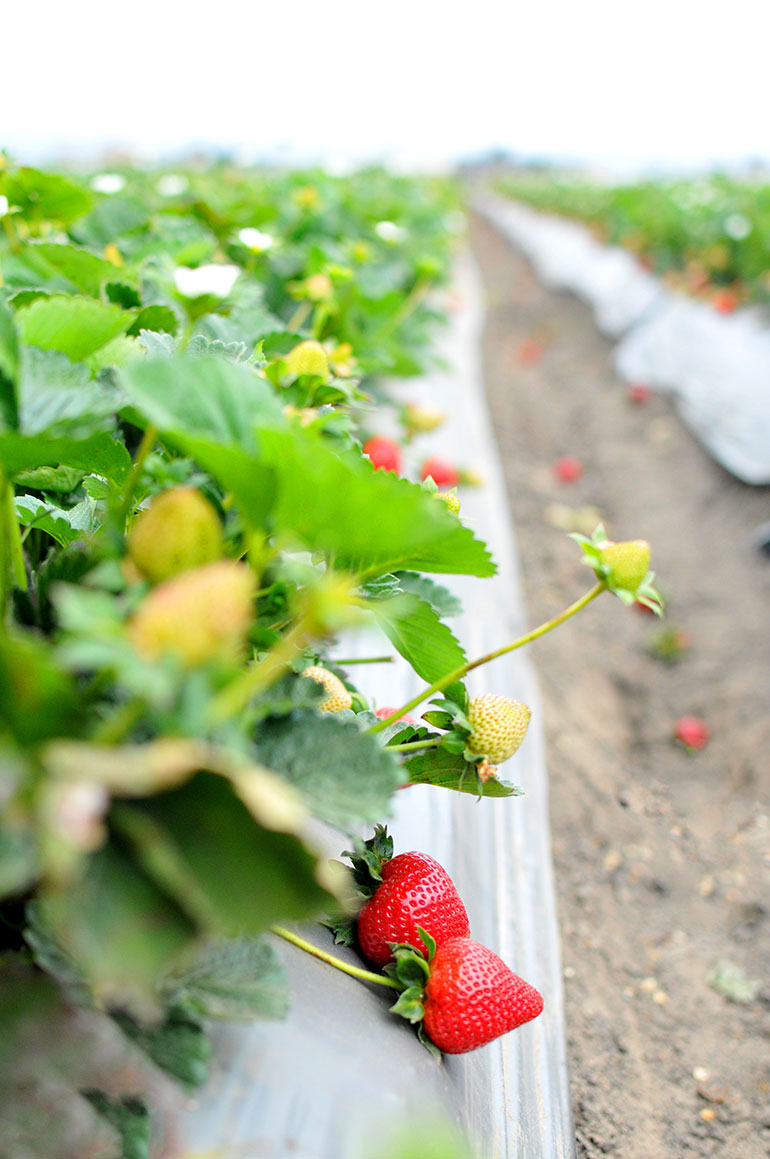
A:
[264,715]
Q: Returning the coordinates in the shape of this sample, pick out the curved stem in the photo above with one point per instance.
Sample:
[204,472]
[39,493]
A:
[459,673]
[354,971]
[348,660]
[146,445]
[411,745]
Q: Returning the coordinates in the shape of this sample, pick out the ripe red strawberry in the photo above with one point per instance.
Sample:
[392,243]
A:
[415,891]
[638,393]
[693,732]
[568,469]
[385,455]
[386,712]
[529,352]
[472,997]
[442,472]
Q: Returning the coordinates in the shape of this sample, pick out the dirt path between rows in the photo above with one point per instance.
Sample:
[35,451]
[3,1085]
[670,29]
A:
[662,856]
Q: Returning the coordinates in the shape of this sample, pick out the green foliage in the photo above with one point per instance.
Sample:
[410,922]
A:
[75,326]
[150,831]
[344,776]
[450,770]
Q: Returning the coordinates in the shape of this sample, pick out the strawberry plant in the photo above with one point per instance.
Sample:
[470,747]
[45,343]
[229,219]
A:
[188,520]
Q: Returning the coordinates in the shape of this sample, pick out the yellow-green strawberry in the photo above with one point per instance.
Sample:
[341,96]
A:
[179,530]
[337,696]
[625,564]
[451,500]
[200,615]
[498,725]
[308,358]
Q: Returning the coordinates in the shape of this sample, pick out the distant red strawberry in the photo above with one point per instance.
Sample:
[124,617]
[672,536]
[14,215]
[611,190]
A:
[638,393]
[385,454]
[385,713]
[568,469]
[415,891]
[693,732]
[442,472]
[472,997]
[725,301]
[529,352]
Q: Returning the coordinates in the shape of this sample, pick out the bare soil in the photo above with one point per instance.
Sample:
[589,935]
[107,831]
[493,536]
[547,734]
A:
[662,855]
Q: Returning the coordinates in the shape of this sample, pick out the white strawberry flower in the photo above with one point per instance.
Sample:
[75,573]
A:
[3,205]
[107,183]
[255,239]
[737,226]
[389,231]
[171,184]
[215,279]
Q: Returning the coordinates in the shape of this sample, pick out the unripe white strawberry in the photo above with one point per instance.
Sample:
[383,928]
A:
[498,726]
[199,615]
[179,530]
[337,696]
[308,358]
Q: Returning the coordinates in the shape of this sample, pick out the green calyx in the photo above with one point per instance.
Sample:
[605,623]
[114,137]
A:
[411,970]
[623,567]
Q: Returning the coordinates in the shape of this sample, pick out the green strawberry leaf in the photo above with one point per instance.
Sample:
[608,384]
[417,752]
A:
[209,843]
[116,925]
[202,395]
[63,526]
[415,630]
[156,318]
[98,454]
[177,1045]
[331,502]
[450,770]
[75,326]
[344,776]
[230,978]
[443,602]
[42,196]
[86,272]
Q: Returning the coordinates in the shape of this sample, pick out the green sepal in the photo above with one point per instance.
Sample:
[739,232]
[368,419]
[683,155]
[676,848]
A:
[409,966]
[429,942]
[438,719]
[409,1005]
[367,859]
[453,743]
[426,1042]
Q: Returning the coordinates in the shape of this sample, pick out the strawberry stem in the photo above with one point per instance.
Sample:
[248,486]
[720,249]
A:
[459,673]
[414,744]
[354,971]
[363,660]
[236,695]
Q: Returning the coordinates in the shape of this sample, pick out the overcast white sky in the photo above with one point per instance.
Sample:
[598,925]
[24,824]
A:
[619,84]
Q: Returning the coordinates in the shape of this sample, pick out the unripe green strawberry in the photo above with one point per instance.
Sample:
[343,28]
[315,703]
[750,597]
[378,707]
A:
[451,500]
[625,564]
[308,358]
[498,726]
[199,615]
[179,530]
[337,696]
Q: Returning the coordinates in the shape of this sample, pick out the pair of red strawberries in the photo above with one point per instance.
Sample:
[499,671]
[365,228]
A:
[415,926]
